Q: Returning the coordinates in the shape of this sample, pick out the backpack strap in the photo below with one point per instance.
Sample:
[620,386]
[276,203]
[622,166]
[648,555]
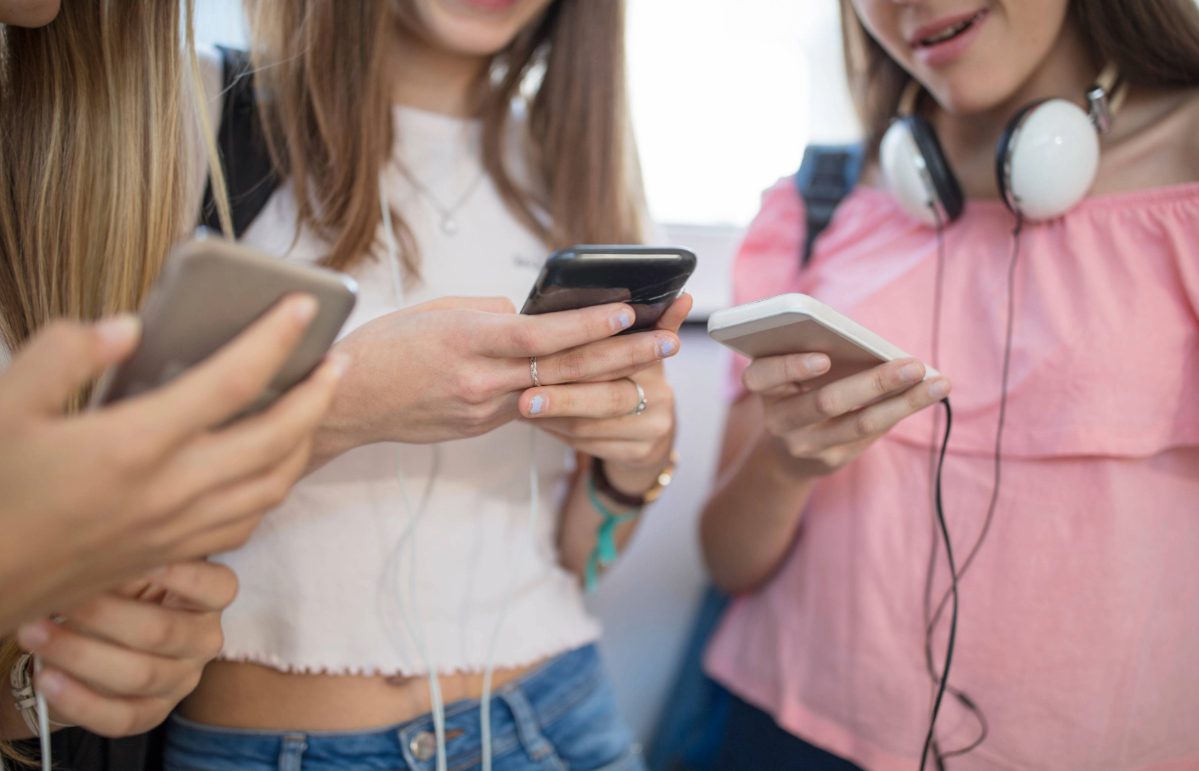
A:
[250,174]
[826,176]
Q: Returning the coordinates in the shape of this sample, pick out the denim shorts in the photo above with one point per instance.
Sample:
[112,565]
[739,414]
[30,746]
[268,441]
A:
[560,716]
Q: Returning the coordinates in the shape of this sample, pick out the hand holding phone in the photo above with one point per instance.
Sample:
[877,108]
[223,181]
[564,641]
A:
[829,386]
[797,323]
[154,478]
[455,367]
[210,291]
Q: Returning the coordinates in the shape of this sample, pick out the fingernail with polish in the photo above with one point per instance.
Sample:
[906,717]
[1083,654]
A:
[536,405]
[667,347]
[622,321]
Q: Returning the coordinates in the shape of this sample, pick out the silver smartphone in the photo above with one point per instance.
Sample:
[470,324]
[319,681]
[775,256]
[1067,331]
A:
[797,323]
[210,291]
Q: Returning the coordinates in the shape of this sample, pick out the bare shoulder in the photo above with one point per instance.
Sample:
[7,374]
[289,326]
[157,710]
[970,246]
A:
[1189,130]
[1154,142]
[1173,131]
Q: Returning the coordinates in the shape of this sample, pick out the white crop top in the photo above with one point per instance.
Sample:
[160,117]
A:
[326,585]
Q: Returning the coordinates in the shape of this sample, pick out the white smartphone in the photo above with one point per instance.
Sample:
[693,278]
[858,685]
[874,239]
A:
[797,323]
[209,292]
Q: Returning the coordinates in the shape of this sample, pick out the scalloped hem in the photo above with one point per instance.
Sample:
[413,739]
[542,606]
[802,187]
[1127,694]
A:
[536,656]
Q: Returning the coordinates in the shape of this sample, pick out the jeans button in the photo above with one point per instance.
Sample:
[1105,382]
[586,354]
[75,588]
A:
[423,746]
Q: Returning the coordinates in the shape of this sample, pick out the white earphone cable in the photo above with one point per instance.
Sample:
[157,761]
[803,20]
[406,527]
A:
[438,707]
[485,699]
[416,513]
[43,721]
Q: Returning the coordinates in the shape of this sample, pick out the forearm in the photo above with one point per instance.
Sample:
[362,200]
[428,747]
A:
[751,519]
[328,443]
[581,521]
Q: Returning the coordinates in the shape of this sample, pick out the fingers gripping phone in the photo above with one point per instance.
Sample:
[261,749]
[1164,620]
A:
[649,278]
[210,291]
[797,323]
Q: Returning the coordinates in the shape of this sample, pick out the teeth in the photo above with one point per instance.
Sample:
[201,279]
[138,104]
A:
[953,31]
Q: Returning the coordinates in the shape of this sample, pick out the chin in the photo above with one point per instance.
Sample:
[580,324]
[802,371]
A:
[476,27]
[28,13]
[471,39]
[971,92]
[966,100]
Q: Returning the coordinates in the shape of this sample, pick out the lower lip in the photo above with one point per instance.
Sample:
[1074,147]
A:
[952,49]
[489,5]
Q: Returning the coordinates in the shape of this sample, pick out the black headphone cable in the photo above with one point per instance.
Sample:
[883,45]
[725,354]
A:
[951,595]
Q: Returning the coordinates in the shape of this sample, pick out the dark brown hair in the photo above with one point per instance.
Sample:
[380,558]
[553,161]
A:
[1155,43]
[325,102]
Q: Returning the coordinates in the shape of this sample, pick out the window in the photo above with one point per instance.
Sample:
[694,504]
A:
[724,97]
[724,100]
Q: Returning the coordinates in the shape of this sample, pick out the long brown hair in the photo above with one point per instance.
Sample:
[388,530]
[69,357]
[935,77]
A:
[325,102]
[1155,43]
[98,123]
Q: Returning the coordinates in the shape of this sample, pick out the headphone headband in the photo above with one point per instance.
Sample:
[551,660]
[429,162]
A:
[907,98]
[1105,97]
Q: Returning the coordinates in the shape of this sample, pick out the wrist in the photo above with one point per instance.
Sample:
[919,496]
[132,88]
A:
[633,486]
[783,469]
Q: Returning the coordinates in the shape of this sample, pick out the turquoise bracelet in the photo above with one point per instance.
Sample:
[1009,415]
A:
[604,553]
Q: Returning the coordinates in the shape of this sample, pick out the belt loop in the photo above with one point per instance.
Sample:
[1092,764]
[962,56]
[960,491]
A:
[528,730]
[291,756]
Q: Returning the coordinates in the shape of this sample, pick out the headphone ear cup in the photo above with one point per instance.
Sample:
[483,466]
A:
[917,174]
[1047,159]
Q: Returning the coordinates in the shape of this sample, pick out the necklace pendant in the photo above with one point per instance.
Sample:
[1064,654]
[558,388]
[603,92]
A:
[449,225]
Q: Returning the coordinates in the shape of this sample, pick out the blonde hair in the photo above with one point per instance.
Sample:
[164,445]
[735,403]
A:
[99,112]
[321,71]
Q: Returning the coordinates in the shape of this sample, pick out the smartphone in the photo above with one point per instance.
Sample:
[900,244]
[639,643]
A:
[797,323]
[208,293]
[649,278]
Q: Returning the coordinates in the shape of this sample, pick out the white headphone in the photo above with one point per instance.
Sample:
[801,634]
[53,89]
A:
[1045,162]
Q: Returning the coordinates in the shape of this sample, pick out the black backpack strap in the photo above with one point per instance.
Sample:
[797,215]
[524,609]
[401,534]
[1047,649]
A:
[826,176]
[250,174]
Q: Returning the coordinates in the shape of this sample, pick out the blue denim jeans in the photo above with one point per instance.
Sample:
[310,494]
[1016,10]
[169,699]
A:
[560,716]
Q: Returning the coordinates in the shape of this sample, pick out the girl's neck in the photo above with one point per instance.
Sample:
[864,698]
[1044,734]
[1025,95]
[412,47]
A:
[430,78]
[970,140]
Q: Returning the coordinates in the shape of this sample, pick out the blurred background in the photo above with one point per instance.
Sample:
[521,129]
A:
[725,96]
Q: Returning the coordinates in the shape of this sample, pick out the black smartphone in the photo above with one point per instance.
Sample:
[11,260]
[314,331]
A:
[649,278]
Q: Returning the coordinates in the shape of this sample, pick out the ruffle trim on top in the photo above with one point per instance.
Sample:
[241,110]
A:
[1106,345]
[546,649]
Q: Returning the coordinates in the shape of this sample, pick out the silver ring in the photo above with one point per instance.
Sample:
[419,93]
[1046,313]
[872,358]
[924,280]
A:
[533,372]
[642,404]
